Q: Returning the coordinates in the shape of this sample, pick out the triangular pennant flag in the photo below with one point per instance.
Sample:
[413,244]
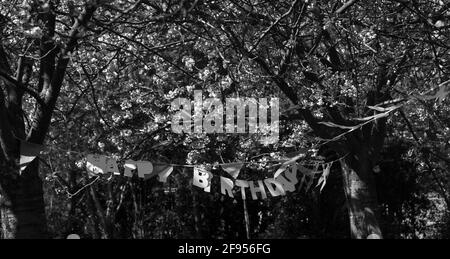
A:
[233,169]
[99,165]
[28,152]
[95,165]
[163,172]
[202,177]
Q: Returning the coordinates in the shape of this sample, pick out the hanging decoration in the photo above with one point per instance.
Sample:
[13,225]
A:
[163,172]
[289,177]
[233,169]
[285,179]
[202,177]
[28,152]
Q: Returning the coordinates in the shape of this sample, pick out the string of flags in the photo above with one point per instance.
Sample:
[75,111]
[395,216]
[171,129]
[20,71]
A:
[290,176]
[284,180]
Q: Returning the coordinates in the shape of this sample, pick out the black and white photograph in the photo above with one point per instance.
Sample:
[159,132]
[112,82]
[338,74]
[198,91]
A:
[224,125]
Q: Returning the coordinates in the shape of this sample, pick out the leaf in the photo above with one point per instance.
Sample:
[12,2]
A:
[380,109]
[365,118]
[377,108]
[311,181]
[386,112]
[324,177]
[334,125]
[381,115]
[286,164]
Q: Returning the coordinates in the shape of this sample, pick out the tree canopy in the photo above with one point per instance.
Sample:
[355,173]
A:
[367,81]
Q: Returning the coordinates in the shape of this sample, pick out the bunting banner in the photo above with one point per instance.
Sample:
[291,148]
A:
[202,177]
[28,152]
[233,169]
[163,172]
[289,176]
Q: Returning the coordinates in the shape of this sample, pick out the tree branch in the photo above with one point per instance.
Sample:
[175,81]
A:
[51,93]
[91,85]
[346,6]
[273,25]
[8,79]
[6,138]
[306,114]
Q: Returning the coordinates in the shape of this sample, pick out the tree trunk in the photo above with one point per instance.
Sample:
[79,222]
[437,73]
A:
[21,196]
[22,206]
[360,192]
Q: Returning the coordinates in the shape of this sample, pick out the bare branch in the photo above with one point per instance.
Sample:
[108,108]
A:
[346,6]
[18,84]
[51,92]
[273,25]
